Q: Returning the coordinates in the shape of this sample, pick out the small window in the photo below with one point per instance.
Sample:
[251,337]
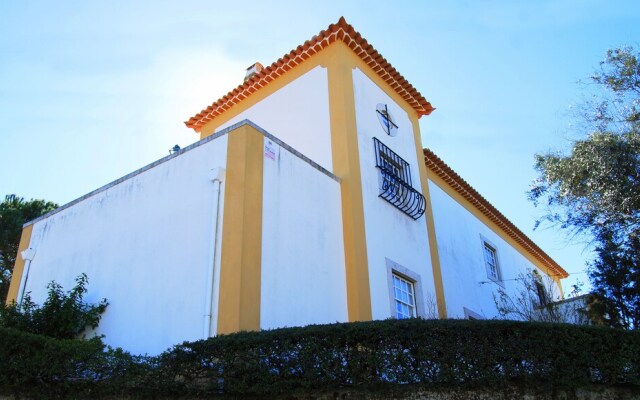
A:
[404,296]
[541,291]
[491,261]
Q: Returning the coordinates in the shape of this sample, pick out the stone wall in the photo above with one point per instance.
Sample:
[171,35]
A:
[416,393]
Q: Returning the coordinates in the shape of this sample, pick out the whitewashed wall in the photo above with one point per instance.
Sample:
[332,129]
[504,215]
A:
[145,245]
[460,243]
[298,114]
[303,272]
[389,232]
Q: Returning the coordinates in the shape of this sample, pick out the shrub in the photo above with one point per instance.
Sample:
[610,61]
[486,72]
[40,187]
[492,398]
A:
[61,316]
[392,352]
[42,367]
[376,355]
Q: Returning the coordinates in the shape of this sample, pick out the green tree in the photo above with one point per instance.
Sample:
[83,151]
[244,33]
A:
[595,190]
[615,275]
[14,212]
[61,316]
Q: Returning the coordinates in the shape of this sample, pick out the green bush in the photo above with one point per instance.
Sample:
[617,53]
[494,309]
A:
[61,316]
[398,352]
[367,355]
[42,367]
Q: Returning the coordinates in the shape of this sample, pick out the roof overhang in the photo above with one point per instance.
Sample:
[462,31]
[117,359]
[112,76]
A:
[340,31]
[475,199]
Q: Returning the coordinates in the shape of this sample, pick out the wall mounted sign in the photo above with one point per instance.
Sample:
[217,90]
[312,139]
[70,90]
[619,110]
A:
[270,149]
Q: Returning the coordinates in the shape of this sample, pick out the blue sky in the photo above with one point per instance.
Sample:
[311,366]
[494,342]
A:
[90,91]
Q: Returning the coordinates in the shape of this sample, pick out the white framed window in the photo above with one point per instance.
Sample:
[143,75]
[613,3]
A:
[405,292]
[404,297]
[491,262]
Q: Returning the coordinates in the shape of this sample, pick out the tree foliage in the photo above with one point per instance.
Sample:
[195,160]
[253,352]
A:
[615,276]
[595,189]
[14,212]
[61,316]
[617,107]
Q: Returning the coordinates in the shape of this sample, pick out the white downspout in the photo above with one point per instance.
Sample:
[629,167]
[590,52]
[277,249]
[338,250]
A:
[27,256]
[217,176]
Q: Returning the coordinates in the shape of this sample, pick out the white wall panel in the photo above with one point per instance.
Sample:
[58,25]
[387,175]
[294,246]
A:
[297,114]
[389,232]
[460,243]
[303,273]
[145,245]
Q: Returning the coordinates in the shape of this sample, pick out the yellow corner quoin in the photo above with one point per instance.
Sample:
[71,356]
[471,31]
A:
[357,62]
[346,165]
[18,268]
[431,228]
[340,62]
[240,269]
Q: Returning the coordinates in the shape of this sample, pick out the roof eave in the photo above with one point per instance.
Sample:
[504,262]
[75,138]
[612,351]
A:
[338,31]
[445,172]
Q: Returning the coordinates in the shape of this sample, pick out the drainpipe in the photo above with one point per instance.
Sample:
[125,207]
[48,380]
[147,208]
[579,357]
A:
[217,176]
[27,256]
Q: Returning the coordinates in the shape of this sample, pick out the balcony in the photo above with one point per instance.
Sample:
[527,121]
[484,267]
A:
[395,178]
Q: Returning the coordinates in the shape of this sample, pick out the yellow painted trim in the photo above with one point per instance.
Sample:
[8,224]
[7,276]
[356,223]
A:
[241,254]
[340,62]
[18,268]
[557,281]
[431,228]
[346,165]
[491,225]
[384,86]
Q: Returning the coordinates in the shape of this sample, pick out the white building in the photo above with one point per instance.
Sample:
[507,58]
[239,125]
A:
[308,199]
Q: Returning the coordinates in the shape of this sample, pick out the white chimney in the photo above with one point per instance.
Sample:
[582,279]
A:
[252,70]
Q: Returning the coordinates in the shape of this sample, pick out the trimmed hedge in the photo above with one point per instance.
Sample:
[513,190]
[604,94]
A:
[38,366]
[392,352]
[378,354]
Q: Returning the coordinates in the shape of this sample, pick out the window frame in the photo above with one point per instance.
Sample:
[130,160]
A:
[488,245]
[544,297]
[405,286]
[395,269]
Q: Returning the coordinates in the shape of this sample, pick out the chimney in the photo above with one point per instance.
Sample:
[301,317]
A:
[253,70]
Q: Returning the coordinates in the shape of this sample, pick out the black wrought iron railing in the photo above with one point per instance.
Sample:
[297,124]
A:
[396,185]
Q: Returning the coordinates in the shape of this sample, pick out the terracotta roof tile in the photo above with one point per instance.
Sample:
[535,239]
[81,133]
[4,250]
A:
[338,31]
[441,169]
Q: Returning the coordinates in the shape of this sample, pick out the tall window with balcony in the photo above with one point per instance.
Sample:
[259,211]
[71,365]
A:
[395,182]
